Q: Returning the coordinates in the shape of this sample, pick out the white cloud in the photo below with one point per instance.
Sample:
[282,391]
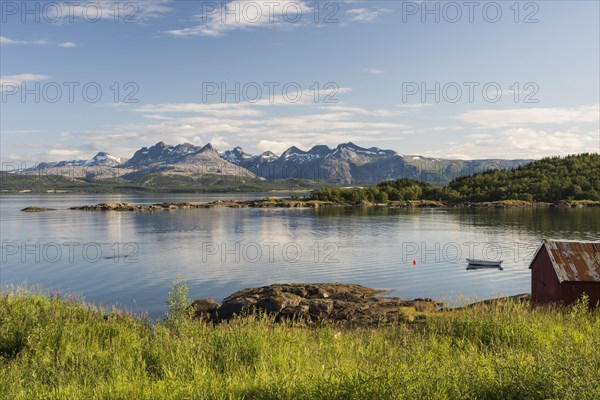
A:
[67,45]
[373,71]
[219,142]
[521,143]
[18,79]
[219,18]
[247,108]
[414,106]
[40,151]
[374,113]
[66,153]
[129,11]
[274,146]
[365,14]
[254,127]
[526,116]
[218,109]
[540,142]
[481,136]
[6,41]
[21,131]
[442,128]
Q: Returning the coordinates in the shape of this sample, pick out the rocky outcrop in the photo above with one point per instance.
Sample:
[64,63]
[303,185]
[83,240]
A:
[297,203]
[348,304]
[577,204]
[37,209]
[281,203]
[263,203]
[504,204]
[204,308]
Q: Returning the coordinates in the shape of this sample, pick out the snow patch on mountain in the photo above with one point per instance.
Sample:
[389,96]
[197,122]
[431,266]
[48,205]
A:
[103,158]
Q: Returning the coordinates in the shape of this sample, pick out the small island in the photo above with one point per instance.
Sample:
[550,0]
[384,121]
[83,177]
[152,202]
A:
[296,203]
[34,209]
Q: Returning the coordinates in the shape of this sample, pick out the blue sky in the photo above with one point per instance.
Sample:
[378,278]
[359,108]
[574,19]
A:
[370,60]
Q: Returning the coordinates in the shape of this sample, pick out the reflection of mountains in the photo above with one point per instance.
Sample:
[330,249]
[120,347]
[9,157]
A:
[370,249]
[218,225]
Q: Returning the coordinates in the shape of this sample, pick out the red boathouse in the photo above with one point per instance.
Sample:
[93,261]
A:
[561,271]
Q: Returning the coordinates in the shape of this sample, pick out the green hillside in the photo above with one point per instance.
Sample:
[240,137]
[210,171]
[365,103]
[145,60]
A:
[553,179]
[575,177]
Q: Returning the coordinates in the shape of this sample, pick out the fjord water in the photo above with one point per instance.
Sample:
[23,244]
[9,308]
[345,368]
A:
[130,258]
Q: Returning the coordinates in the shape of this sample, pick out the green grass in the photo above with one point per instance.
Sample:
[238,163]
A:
[54,348]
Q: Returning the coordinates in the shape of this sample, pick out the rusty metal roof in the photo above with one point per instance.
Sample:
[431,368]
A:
[574,261]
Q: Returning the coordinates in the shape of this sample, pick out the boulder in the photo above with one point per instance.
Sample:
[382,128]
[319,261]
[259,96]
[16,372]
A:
[204,308]
[349,304]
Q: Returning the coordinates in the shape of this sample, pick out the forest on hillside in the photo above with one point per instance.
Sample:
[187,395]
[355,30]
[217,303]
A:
[553,179]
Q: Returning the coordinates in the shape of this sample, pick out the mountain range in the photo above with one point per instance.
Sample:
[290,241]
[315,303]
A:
[347,163]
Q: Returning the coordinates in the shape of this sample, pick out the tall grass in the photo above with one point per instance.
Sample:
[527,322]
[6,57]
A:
[54,348]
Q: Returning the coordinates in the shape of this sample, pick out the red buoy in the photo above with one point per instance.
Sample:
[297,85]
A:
[414,262]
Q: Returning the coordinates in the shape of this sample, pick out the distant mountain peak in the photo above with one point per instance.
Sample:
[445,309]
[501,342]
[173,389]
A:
[348,145]
[346,163]
[293,151]
[372,151]
[267,156]
[207,147]
[320,150]
[103,158]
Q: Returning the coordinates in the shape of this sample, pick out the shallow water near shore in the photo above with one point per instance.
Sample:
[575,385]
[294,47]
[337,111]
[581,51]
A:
[130,258]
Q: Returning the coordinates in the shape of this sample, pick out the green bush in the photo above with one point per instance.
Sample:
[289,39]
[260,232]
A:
[179,302]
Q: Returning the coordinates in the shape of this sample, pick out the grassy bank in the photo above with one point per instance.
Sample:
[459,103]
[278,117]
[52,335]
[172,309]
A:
[53,348]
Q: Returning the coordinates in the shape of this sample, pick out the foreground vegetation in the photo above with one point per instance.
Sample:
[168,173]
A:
[60,348]
[551,180]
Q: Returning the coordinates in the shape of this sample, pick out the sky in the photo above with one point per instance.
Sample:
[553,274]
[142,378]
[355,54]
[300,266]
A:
[465,80]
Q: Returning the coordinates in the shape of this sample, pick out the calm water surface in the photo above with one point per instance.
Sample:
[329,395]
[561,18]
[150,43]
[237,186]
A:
[131,258]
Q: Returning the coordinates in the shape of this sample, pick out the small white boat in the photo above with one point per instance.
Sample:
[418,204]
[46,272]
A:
[474,263]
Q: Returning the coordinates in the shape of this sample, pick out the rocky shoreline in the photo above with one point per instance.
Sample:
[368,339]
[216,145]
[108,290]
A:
[292,203]
[264,203]
[345,304]
[33,209]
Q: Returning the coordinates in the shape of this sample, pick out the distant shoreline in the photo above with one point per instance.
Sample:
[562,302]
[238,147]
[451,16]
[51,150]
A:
[273,202]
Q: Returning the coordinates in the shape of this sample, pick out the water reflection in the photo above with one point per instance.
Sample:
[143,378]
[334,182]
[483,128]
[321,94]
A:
[223,250]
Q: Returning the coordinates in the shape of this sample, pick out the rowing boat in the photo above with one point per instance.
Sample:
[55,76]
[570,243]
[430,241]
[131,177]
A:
[474,263]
